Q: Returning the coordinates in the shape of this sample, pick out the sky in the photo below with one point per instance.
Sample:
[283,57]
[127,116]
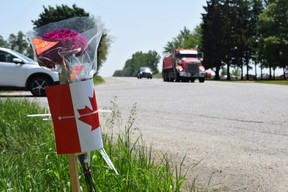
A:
[132,25]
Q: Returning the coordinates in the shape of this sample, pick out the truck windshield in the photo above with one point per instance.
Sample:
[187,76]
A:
[188,56]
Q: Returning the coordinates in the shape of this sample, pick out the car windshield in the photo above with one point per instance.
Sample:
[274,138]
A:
[145,69]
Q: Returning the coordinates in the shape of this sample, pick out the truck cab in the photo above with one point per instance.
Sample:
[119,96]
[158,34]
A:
[184,65]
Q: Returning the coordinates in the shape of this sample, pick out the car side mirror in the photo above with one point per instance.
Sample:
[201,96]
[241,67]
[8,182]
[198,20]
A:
[17,60]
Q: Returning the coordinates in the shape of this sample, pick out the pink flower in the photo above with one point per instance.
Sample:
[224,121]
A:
[69,42]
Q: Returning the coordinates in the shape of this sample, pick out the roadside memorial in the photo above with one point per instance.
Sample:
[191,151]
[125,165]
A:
[70,47]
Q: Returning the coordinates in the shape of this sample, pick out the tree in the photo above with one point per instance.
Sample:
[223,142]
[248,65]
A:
[139,59]
[223,71]
[235,72]
[3,43]
[273,28]
[185,39]
[152,60]
[62,12]
[19,43]
[228,33]
[59,13]
[213,36]
[194,39]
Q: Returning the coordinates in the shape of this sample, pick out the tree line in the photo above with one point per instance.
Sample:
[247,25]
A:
[229,34]
[139,59]
[238,34]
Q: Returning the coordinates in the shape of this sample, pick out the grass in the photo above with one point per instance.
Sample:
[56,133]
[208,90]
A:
[29,161]
[157,75]
[98,79]
[276,82]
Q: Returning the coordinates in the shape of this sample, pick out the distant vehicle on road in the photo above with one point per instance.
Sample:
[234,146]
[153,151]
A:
[183,65]
[19,72]
[144,72]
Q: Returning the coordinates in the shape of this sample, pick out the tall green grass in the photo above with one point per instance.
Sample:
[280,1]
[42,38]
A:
[29,161]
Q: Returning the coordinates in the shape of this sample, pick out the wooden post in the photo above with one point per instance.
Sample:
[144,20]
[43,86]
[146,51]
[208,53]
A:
[74,176]
[64,78]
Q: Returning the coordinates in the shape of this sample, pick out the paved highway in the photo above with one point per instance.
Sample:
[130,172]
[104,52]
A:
[239,131]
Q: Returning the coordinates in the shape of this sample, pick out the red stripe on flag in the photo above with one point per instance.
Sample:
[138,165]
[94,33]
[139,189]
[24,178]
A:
[65,129]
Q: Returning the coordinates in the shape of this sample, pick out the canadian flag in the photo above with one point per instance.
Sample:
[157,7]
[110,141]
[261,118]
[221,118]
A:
[75,117]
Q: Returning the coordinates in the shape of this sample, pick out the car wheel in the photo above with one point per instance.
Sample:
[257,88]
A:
[37,86]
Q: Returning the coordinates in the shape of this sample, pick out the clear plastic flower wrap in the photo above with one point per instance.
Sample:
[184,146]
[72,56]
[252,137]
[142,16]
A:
[70,46]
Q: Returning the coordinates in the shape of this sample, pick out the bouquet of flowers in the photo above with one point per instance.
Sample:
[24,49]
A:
[70,46]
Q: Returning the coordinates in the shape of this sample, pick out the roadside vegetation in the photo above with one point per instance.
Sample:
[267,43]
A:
[276,82]
[98,80]
[139,59]
[29,161]
[158,75]
[267,81]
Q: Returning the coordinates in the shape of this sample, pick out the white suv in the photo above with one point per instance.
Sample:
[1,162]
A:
[18,72]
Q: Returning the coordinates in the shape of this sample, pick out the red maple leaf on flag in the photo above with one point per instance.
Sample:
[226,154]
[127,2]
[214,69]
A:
[90,116]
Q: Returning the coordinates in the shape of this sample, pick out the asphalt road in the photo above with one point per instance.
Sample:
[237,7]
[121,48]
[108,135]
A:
[239,131]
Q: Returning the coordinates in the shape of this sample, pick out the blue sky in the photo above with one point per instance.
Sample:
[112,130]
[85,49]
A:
[133,25]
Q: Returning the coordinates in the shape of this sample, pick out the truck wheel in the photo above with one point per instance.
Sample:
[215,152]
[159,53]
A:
[192,80]
[202,79]
[176,77]
[169,77]
[164,76]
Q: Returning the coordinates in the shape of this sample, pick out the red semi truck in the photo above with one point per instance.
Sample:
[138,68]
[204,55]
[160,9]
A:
[183,65]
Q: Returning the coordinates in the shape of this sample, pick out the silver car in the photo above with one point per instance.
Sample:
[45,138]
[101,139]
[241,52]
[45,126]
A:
[18,72]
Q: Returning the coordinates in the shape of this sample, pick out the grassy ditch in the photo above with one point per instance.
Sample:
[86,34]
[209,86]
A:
[29,161]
